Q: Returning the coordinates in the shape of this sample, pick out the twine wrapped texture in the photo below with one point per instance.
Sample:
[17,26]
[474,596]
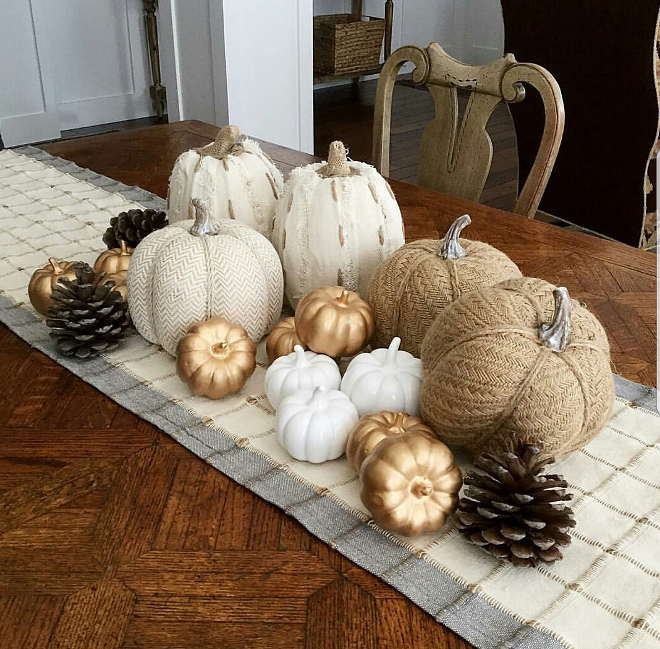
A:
[490,379]
[416,283]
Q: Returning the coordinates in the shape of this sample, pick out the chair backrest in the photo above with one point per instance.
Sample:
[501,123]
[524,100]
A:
[455,157]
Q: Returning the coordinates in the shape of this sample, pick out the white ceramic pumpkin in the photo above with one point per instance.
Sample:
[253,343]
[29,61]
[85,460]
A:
[314,426]
[384,379]
[335,223]
[195,270]
[235,177]
[300,369]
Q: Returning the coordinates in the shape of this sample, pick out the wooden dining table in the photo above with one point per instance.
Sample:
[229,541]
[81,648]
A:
[113,535]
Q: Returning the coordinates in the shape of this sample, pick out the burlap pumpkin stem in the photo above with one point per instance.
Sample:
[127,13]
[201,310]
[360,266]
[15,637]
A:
[89,316]
[412,287]
[513,510]
[133,226]
[226,142]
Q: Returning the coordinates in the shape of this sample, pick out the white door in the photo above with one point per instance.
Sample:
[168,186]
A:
[71,63]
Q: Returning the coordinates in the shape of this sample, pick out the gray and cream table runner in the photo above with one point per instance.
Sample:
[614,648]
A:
[604,594]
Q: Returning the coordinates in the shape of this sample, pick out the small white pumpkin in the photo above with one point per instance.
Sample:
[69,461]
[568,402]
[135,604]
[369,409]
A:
[196,270]
[235,177]
[314,426]
[300,369]
[385,379]
[335,223]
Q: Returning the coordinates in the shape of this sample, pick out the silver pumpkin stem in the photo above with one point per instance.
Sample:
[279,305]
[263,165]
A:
[451,248]
[556,335]
[202,224]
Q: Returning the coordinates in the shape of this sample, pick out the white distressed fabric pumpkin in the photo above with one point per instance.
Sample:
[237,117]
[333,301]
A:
[314,426]
[385,379]
[300,369]
[196,270]
[335,223]
[236,179]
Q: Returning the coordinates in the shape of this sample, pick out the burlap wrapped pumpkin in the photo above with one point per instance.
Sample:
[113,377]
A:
[518,362]
[420,279]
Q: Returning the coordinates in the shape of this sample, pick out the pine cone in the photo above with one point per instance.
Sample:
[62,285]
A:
[514,511]
[133,226]
[89,316]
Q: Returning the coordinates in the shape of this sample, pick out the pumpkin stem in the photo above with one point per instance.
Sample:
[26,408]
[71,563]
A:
[343,298]
[202,224]
[398,421]
[124,247]
[421,489]
[556,335]
[225,143]
[451,248]
[301,359]
[337,165]
[318,395]
[57,268]
[390,358]
[219,347]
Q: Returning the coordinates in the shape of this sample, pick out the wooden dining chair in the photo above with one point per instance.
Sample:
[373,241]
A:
[455,157]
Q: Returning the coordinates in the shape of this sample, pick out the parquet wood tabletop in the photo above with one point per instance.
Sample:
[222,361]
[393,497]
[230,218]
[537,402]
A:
[113,535]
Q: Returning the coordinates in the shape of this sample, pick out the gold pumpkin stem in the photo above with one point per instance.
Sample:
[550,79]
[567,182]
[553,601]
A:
[337,165]
[123,247]
[390,358]
[556,335]
[219,347]
[57,268]
[343,298]
[301,359]
[421,489]
[451,247]
[398,420]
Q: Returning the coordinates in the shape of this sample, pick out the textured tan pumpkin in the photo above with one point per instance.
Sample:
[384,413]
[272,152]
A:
[215,358]
[410,484]
[334,321]
[420,279]
[517,362]
[115,260]
[374,428]
[45,279]
[282,339]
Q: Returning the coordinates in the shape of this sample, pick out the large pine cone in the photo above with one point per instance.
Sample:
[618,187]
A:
[133,226]
[89,316]
[514,511]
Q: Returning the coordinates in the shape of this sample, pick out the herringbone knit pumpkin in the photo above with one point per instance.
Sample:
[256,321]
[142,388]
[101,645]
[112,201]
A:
[195,270]
[517,361]
[410,288]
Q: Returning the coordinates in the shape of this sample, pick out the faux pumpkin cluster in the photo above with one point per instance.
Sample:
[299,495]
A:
[409,480]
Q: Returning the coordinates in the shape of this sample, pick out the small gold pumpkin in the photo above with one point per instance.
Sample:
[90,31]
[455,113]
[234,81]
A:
[215,358]
[374,428]
[120,282]
[114,261]
[282,339]
[410,484]
[334,321]
[45,279]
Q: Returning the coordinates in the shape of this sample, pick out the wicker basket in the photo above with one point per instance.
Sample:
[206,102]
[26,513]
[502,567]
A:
[345,43]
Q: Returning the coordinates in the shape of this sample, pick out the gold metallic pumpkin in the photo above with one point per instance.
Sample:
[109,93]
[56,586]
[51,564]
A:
[115,260]
[334,321]
[282,339]
[215,358]
[410,484]
[374,428]
[45,279]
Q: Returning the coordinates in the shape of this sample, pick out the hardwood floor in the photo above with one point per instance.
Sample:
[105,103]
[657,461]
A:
[346,113]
